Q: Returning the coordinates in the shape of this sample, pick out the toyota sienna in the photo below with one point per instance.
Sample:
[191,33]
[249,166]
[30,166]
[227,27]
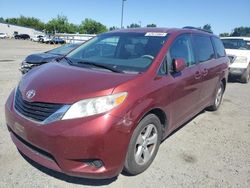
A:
[108,104]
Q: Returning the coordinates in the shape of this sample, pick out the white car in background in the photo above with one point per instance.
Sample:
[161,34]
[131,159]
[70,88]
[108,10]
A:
[46,39]
[238,50]
[37,38]
[3,35]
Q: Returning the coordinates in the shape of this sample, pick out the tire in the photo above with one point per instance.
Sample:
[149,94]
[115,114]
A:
[145,141]
[246,76]
[218,98]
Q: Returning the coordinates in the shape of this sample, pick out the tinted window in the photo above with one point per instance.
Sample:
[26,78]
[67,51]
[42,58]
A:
[236,44]
[182,48]
[219,48]
[204,48]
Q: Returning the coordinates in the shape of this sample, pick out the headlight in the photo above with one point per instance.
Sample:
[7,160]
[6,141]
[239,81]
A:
[94,106]
[240,59]
[24,64]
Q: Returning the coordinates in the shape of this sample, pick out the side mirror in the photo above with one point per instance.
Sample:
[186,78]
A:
[179,64]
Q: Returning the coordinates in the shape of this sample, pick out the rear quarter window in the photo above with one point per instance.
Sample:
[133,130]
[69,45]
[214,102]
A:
[219,47]
[204,48]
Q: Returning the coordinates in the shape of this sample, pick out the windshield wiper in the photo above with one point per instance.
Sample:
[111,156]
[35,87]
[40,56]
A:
[100,66]
[70,62]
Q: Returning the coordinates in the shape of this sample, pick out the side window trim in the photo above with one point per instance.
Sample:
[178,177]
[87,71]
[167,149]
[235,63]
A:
[213,38]
[214,48]
[194,50]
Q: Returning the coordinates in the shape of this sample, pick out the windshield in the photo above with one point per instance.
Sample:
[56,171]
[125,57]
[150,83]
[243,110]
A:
[239,44]
[63,50]
[126,52]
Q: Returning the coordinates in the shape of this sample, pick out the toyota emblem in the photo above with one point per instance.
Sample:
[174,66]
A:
[30,94]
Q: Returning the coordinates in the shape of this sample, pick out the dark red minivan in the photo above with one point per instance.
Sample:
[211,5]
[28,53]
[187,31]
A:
[107,105]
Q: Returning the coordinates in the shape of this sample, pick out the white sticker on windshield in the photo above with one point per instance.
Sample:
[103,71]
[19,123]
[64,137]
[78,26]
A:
[156,34]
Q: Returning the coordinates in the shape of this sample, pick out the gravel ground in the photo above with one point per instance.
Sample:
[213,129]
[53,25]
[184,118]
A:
[212,150]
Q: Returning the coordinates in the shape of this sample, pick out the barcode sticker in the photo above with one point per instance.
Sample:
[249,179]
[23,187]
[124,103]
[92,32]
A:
[156,34]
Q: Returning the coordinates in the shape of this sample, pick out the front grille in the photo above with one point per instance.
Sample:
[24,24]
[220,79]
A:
[37,111]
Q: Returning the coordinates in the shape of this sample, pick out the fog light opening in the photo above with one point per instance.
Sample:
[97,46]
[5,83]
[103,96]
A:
[93,162]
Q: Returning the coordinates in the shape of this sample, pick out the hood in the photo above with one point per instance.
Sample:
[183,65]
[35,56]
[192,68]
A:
[236,52]
[41,58]
[65,84]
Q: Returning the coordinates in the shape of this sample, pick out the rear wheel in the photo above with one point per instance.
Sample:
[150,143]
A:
[246,76]
[143,145]
[218,98]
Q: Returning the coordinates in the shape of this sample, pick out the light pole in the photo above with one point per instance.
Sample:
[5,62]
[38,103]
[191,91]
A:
[140,23]
[122,13]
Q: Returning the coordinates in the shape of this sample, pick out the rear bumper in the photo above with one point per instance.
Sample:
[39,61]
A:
[69,146]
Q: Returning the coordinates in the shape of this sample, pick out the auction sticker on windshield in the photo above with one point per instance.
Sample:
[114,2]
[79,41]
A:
[156,34]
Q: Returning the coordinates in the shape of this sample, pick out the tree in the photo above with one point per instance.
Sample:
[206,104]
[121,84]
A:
[241,31]
[27,22]
[1,19]
[59,24]
[133,25]
[91,27]
[224,34]
[207,27]
[152,25]
[11,20]
[113,28]
[72,28]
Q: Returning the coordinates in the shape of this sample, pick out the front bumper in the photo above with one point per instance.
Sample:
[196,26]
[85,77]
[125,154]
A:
[71,146]
[236,71]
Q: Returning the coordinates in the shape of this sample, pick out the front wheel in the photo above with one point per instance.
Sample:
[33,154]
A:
[143,145]
[218,98]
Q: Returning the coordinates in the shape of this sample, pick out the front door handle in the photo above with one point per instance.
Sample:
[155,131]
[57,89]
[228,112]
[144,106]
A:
[197,75]
[204,72]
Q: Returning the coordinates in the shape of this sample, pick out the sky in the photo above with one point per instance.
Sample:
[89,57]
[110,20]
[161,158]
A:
[222,15]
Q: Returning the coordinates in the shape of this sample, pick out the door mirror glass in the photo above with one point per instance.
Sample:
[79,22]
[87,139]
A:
[179,64]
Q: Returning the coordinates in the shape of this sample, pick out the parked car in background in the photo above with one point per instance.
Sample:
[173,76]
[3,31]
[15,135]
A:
[45,39]
[37,38]
[238,50]
[3,35]
[22,36]
[57,40]
[108,104]
[35,60]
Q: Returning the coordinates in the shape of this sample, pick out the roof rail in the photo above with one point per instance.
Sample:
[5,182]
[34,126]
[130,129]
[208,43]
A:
[197,28]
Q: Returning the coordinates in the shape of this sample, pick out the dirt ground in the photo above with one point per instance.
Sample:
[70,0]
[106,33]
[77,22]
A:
[212,150]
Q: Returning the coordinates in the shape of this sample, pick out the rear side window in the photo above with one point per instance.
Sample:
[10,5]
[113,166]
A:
[219,48]
[204,48]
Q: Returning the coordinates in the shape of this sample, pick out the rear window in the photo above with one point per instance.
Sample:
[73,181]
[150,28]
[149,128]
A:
[219,48]
[204,48]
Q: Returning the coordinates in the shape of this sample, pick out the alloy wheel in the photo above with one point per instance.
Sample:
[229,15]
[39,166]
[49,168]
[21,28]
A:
[146,144]
[218,96]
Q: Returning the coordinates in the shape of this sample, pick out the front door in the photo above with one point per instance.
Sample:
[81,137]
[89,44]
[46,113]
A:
[186,84]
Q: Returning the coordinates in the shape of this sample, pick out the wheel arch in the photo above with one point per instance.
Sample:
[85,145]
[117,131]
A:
[160,114]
